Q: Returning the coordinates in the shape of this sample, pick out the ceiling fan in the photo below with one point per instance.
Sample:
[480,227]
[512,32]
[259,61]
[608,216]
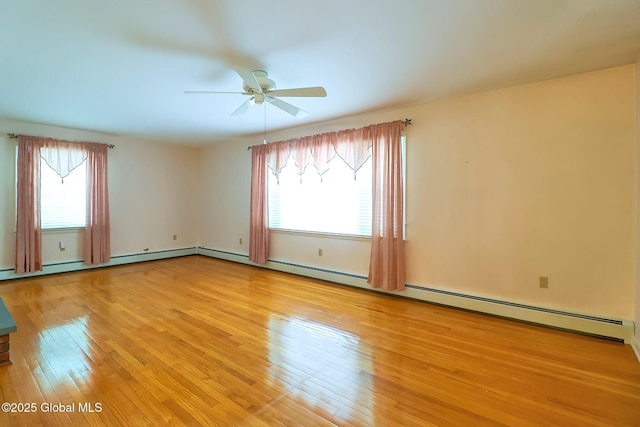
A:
[260,88]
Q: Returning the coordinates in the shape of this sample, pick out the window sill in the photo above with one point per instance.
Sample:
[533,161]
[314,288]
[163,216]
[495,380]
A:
[60,230]
[63,230]
[320,234]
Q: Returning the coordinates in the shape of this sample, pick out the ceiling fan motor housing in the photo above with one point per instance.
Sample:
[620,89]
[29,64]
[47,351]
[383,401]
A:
[265,82]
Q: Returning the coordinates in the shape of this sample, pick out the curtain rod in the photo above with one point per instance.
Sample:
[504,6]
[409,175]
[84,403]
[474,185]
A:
[14,136]
[405,122]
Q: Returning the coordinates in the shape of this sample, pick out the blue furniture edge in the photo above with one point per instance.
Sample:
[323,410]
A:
[7,326]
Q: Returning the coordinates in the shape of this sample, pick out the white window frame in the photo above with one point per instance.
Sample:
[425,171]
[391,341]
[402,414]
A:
[76,176]
[337,234]
[43,164]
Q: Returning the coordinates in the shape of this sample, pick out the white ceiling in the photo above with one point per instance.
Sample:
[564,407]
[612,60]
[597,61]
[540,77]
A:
[121,66]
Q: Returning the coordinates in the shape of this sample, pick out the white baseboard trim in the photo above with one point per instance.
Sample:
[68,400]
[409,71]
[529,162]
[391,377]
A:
[285,267]
[635,345]
[617,329]
[70,266]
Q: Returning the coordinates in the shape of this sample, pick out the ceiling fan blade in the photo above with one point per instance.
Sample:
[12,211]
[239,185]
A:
[244,107]
[191,92]
[249,78]
[316,91]
[285,106]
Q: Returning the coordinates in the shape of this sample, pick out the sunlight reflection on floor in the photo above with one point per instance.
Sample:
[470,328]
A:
[322,365]
[64,351]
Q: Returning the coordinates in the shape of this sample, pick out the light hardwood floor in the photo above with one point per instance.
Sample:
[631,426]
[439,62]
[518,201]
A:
[197,341]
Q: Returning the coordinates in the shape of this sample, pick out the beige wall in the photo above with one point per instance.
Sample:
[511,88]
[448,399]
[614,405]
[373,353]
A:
[151,195]
[153,190]
[536,180]
[7,198]
[502,187]
[637,299]
[224,200]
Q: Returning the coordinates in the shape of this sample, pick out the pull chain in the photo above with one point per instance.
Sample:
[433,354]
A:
[264,141]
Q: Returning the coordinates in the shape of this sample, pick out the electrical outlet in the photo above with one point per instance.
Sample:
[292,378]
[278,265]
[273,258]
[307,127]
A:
[175,237]
[240,240]
[544,282]
[319,252]
[146,249]
[61,246]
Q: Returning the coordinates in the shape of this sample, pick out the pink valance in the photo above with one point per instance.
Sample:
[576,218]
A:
[63,157]
[353,146]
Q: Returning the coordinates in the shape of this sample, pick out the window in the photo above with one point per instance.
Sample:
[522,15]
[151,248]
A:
[335,204]
[63,203]
[339,203]
[46,201]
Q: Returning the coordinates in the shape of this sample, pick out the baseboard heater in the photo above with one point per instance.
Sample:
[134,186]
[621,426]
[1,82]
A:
[614,329]
[69,266]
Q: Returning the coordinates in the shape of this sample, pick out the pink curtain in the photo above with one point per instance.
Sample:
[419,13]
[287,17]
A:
[259,218]
[354,147]
[386,266]
[28,233]
[97,235]
[62,156]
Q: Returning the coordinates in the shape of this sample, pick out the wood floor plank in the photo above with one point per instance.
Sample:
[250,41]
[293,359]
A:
[197,341]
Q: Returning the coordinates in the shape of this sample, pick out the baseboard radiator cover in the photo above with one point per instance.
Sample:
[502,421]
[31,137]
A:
[615,329]
[69,266]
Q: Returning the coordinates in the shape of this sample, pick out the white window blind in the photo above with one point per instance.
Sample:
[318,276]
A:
[335,204]
[63,204]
